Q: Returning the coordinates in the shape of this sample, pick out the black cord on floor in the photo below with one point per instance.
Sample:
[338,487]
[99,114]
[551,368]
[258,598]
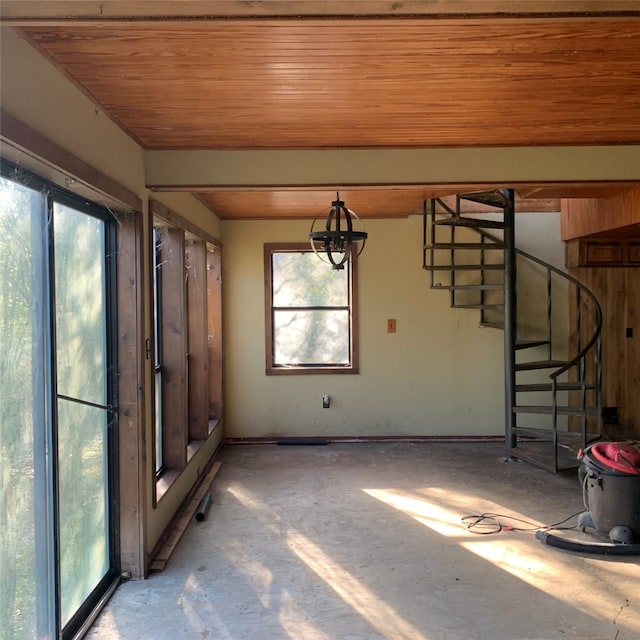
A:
[491,523]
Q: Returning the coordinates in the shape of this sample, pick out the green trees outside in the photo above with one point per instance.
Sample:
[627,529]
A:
[81,363]
[53,448]
[311,320]
[18,325]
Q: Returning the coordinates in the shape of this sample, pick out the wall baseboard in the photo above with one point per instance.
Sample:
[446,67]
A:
[364,439]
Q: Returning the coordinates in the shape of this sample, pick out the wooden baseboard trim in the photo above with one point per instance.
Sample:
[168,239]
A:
[364,439]
[183,517]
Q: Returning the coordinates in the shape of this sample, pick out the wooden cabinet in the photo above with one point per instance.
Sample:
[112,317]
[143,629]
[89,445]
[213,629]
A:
[604,252]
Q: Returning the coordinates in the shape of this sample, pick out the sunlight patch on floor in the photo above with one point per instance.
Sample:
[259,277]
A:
[525,558]
[441,520]
[382,617]
[552,572]
[294,622]
[374,610]
[195,605]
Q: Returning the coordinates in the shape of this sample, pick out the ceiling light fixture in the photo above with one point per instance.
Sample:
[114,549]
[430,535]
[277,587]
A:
[338,240]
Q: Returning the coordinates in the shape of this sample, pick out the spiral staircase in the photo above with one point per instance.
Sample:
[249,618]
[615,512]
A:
[551,324]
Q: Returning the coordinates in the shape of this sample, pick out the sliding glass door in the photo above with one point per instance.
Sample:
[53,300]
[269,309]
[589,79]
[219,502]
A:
[58,549]
[83,408]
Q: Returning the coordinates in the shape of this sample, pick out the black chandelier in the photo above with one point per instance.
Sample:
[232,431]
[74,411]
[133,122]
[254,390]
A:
[338,240]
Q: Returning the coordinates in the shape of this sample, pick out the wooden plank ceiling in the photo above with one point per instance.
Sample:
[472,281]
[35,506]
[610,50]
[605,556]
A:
[387,202]
[371,82]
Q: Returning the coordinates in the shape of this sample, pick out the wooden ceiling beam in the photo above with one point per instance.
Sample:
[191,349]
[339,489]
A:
[40,12]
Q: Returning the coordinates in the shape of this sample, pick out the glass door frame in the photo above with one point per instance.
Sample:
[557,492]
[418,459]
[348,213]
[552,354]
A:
[83,613]
[46,465]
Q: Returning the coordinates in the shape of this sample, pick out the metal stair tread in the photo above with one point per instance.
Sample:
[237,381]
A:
[491,198]
[560,386]
[544,459]
[492,325]
[563,410]
[466,245]
[478,306]
[527,344]
[539,364]
[479,223]
[468,287]
[568,437]
[466,267]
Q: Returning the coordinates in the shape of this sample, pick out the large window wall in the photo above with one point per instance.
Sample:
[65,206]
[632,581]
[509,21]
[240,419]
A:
[58,426]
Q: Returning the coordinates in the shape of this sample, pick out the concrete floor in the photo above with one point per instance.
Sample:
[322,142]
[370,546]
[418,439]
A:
[365,541]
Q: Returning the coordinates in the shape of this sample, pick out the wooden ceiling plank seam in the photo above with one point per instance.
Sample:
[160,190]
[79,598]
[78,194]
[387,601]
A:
[56,12]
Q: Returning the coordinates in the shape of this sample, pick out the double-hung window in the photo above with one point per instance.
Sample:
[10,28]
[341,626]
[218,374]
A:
[310,313]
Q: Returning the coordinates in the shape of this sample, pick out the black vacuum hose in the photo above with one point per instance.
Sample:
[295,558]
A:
[601,548]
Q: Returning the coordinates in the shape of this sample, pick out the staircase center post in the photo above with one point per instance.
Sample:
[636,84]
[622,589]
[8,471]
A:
[510,320]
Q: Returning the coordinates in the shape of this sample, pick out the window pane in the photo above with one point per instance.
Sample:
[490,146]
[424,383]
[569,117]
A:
[157,326]
[20,401]
[300,279]
[158,425]
[82,456]
[311,337]
[80,305]
[81,359]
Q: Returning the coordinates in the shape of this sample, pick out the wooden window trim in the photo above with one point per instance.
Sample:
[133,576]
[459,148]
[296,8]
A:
[174,352]
[272,370]
[191,342]
[198,358]
[158,210]
[131,405]
[214,345]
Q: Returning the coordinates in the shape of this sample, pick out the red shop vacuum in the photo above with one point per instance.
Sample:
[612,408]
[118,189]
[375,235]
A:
[609,473]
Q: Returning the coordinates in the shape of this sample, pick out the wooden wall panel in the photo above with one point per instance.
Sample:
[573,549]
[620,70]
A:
[618,291]
[587,216]
[214,323]
[174,352]
[198,350]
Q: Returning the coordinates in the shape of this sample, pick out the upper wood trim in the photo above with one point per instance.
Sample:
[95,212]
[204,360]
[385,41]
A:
[102,11]
[158,209]
[33,151]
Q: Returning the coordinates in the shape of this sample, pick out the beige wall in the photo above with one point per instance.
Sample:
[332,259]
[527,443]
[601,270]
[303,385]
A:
[440,374]
[36,94]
